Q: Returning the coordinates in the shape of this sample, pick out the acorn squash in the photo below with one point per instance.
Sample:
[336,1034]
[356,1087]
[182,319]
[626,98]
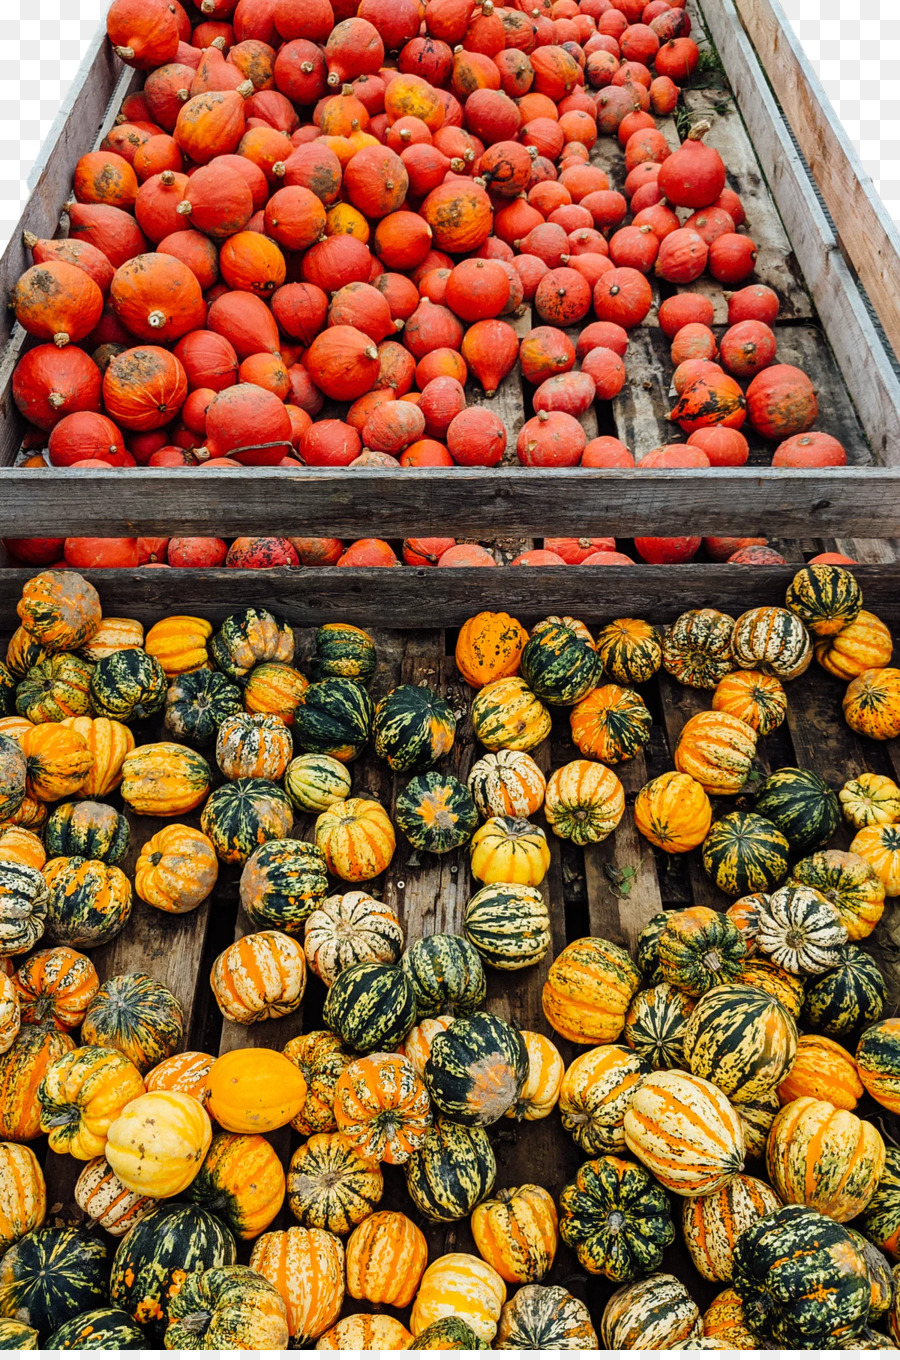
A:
[253,746]
[826,597]
[413,728]
[653,1314]
[655,1025]
[610,724]
[335,719]
[802,806]
[247,638]
[597,1089]
[350,928]
[476,1069]
[773,641]
[100,1329]
[697,648]
[849,883]
[745,853]
[699,949]
[56,688]
[371,1007]
[89,902]
[516,1233]
[357,839]
[91,830]
[630,651]
[197,703]
[52,1274]
[314,783]
[436,812]
[228,1308]
[545,1317]
[800,930]
[713,1223]
[509,925]
[382,1108]
[507,784]
[616,1218]
[136,1015]
[128,686]
[245,814]
[179,644]
[344,651]
[824,1158]
[754,697]
[506,714]
[446,975]
[164,779]
[584,803]
[451,1172]
[282,884]
[241,1181]
[588,990]
[559,662]
[489,648]
[685,1132]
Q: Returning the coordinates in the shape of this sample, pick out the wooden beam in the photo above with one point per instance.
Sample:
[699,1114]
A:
[403,596]
[785,502]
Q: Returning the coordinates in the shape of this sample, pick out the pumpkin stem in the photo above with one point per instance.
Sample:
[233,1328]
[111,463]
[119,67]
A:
[698,130]
[56,399]
[60,339]
[245,89]
[30,239]
[156,319]
[197,1322]
[218,43]
[126,53]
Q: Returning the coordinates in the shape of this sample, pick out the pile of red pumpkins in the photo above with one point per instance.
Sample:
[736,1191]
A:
[318,201]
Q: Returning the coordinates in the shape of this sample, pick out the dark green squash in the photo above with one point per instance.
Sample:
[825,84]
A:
[846,997]
[476,1069]
[51,1274]
[436,812]
[802,806]
[345,652]
[244,814]
[335,719]
[451,1172]
[827,597]
[89,902]
[699,949]
[198,702]
[102,1329]
[229,1308]
[741,1039]
[371,1007]
[801,1277]
[247,638]
[509,925]
[446,975]
[13,769]
[655,1025]
[137,1015]
[630,651]
[17,1336]
[283,883]
[745,853]
[129,685]
[56,688]
[647,949]
[559,662]
[413,727]
[7,691]
[91,830]
[881,1280]
[152,1261]
[545,1317]
[448,1334]
[616,1218]
[880,1220]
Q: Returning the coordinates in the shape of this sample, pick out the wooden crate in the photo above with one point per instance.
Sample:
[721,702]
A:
[816,262]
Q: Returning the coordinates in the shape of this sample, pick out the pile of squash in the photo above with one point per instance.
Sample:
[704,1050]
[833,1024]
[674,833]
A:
[353,204]
[693,1057]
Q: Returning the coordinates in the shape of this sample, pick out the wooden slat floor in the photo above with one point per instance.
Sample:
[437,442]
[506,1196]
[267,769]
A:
[609,890]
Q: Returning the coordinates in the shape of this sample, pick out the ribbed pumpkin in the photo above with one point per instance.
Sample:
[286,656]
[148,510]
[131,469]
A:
[371,1007]
[850,884]
[240,1180]
[306,1266]
[150,1265]
[57,759]
[350,928]
[108,743]
[164,779]
[508,924]
[250,637]
[596,1092]
[824,1158]
[653,1314]
[506,714]
[879,846]
[386,1255]
[92,830]
[275,690]
[51,1274]
[436,812]
[198,703]
[460,1285]
[23,1193]
[344,650]
[822,1070]
[186,1072]
[773,641]
[137,1016]
[314,783]
[685,1132]
[452,1171]
[713,1223]
[179,643]
[741,1039]
[697,648]
[655,1025]
[158,1141]
[826,597]
[244,814]
[872,703]
[716,750]
[335,719]
[880,1220]
[878,1063]
[801,805]
[476,1069]
[112,636]
[414,726]
[357,839]
[800,930]
[870,800]
[585,802]
[128,686]
[21,846]
[516,1233]
[229,1307]
[89,901]
[417,1044]
[699,949]
[253,746]
[176,869]
[60,610]
[366,1332]
[616,1218]
[673,812]
[754,697]
[509,850]
[24,904]
[321,1058]
[259,977]
[331,1184]
[22,1069]
[588,990]
[446,975]
[111,1205]
[846,995]
[507,784]
[863,645]
[630,650]
[545,1316]
[80,1096]
[489,648]
[254,1090]
[56,688]
[610,724]
[282,883]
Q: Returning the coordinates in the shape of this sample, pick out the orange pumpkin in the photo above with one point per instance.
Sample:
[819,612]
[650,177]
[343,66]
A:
[460,216]
[58,760]
[781,402]
[213,123]
[157,298]
[386,1255]
[56,986]
[489,647]
[57,301]
[108,742]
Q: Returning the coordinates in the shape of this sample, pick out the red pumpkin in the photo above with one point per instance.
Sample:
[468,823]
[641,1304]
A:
[623,296]
[606,451]
[49,383]
[724,447]
[248,424]
[196,251]
[157,298]
[245,322]
[209,360]
[112,231]
[551,439]
[490,349]
[813,449]
[143,35]
[756,302]
[781,402]
[212,124]
[714,399]
[144,388]
[57,301]
[731,258]
[476,438]
[342,362]
[79,253]
[86,434]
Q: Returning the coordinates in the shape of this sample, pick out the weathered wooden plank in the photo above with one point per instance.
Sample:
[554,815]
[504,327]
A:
[859,349]
[620,873]
[640,408]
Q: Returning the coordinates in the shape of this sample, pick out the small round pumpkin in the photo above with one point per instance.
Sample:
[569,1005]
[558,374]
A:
[489,648]
[673,812]
[259,977]
[350,928]
[357,839]
[507,784]
[331,1184]
[381,1106]
[253,746]
[507,714]
[254,1090]
[176,869]
[509,850]
[158,1142]
[136,1015]
[516,1233]
[588,990]
[282,884]
[610,724]
[386,1255]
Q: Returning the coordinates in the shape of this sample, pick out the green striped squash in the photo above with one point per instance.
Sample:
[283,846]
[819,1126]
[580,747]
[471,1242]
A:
[878,1062]
[335,719]
[150,1263]
[700,949]
[697,648]
[51,1274]
[314,782]
[91,830]
[198,702]
[713,1223]
[371,1007]
[596,1093]
[846,997]
[282,884]
[744,853]
[881,1279]
[542,1317]
[802,806]
[827,597]
[656,1314]
[630,651]
[249,637]
[801,1278]
[89,901]
[343,651]
[413,727]
[17,1336]
[741,1039]
[446,975]
[616,1218]
[129,685]
[436,812]
[448,1334]
[56,688]
[655,1025]
[851,885]
[476,1069]
[102,1329]
[757,1117]
[559,662]
[508,924]
[451,1172]
[880,1220]
[647,948]
[136,1015]
[507,715]
[244,814]
[7,692]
